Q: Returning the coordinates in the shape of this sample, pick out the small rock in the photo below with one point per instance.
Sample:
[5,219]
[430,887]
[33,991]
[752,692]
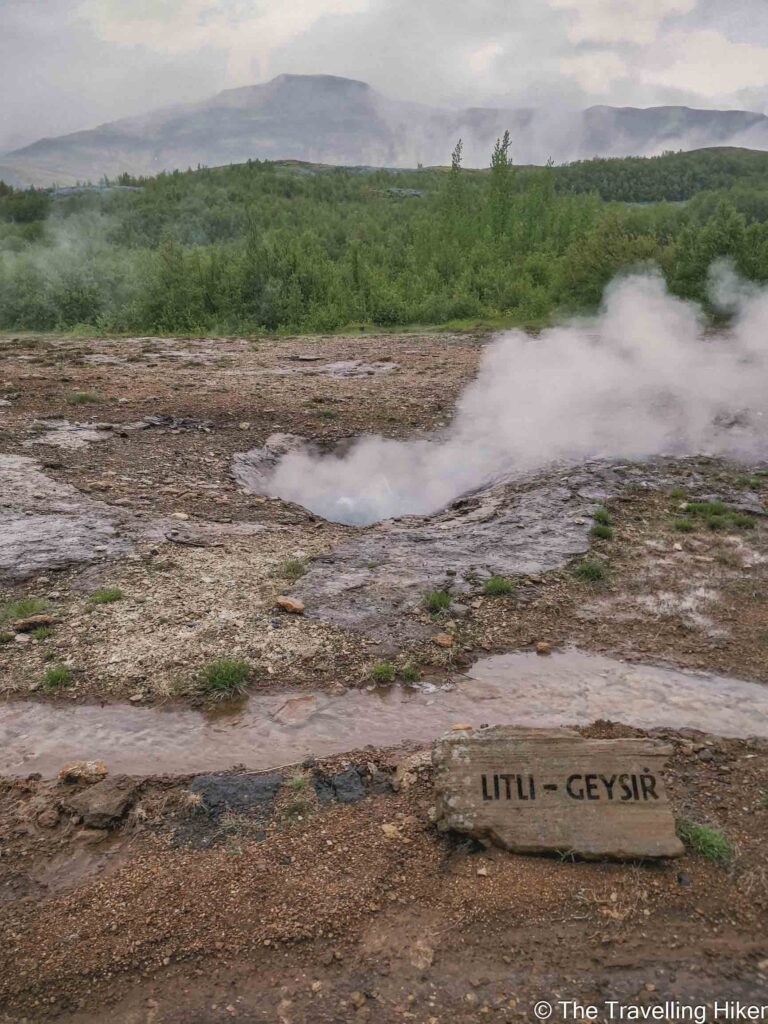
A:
[292,605]
[136,698]
[443,639]
[683,879]
[543,648]
[348,786]
[179,515]
[32,622]
[244,425]
[83,771]
[48,818]
[461,727]
[390,831]
[90,835]
[358,999]
[483,871]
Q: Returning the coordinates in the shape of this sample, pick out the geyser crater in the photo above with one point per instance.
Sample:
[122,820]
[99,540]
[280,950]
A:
[643,378]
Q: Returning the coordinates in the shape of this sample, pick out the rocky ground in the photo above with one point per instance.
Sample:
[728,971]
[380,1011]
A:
[131,558]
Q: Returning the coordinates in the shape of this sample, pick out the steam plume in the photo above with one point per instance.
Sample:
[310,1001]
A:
[645,377]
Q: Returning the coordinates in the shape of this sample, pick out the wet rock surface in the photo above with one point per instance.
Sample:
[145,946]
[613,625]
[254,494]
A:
[47,524]
[512,528]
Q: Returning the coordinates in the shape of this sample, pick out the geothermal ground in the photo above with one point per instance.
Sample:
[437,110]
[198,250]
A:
[136,549]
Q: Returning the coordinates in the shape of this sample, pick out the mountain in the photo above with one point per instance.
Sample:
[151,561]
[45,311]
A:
[325,119]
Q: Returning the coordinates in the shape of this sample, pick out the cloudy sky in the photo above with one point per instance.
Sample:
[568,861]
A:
[70,64]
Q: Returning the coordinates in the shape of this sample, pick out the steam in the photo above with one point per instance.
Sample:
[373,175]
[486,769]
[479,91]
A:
[643,378]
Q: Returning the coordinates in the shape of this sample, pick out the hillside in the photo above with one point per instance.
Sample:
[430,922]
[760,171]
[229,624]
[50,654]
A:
[326,119]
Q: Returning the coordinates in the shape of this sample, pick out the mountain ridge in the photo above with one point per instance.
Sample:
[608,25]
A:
[335,120]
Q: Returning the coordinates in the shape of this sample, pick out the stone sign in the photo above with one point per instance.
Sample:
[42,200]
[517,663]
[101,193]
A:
[539,790]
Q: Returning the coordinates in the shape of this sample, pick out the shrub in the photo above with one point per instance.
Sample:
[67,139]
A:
[602,515]
[107,595]
[498,586]
[409,673]
[601,532]
[56,676]
[590,571]
[383,672]
[225,678]
[705,840]
[437,601]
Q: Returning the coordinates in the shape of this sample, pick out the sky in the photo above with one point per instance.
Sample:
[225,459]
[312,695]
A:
[72,64]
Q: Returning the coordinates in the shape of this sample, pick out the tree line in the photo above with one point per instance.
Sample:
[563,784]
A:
[289,247]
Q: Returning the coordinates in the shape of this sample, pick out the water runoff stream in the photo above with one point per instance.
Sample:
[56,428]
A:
[567,688]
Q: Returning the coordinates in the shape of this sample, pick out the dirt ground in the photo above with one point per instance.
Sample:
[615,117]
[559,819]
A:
[697,600]
[302,911]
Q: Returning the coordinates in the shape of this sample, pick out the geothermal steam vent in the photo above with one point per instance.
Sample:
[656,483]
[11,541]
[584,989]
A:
[641,379]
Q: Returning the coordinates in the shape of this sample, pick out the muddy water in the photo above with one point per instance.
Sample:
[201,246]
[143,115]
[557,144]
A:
[279,729]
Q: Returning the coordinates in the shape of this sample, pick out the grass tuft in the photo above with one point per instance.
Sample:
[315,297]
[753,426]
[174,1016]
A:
[437,601]
[602,515]
[409,673]
[83,398]
[56,677]
[683,526]
[601,532]
[498,586]
[41,632]
[705,840]
[292,569]
[224,678]
[383,672]
[107,595]
[23,608]
[590,571]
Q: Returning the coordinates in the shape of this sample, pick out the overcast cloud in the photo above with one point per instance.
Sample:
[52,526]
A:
[71,64]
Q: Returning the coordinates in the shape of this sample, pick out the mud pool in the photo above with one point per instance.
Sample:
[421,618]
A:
[568,688]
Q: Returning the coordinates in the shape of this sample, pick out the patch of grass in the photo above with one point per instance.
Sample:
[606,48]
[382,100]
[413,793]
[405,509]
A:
[437,601]
[83,398]
[107,595]
[603,516]
[292,569]
[297,783]
[716,515]
[41,632]
[5,638]
[677,493]
[23,608]
[590,571]
[383,672]
[226,677]
[409,673]
[298,808]
[498,586]
[754,483]
[684,525]
[601,532]
[56,677]
[705,840]
[328,414]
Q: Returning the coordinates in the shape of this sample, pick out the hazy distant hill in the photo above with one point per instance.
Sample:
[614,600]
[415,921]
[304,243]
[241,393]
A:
[326,119]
